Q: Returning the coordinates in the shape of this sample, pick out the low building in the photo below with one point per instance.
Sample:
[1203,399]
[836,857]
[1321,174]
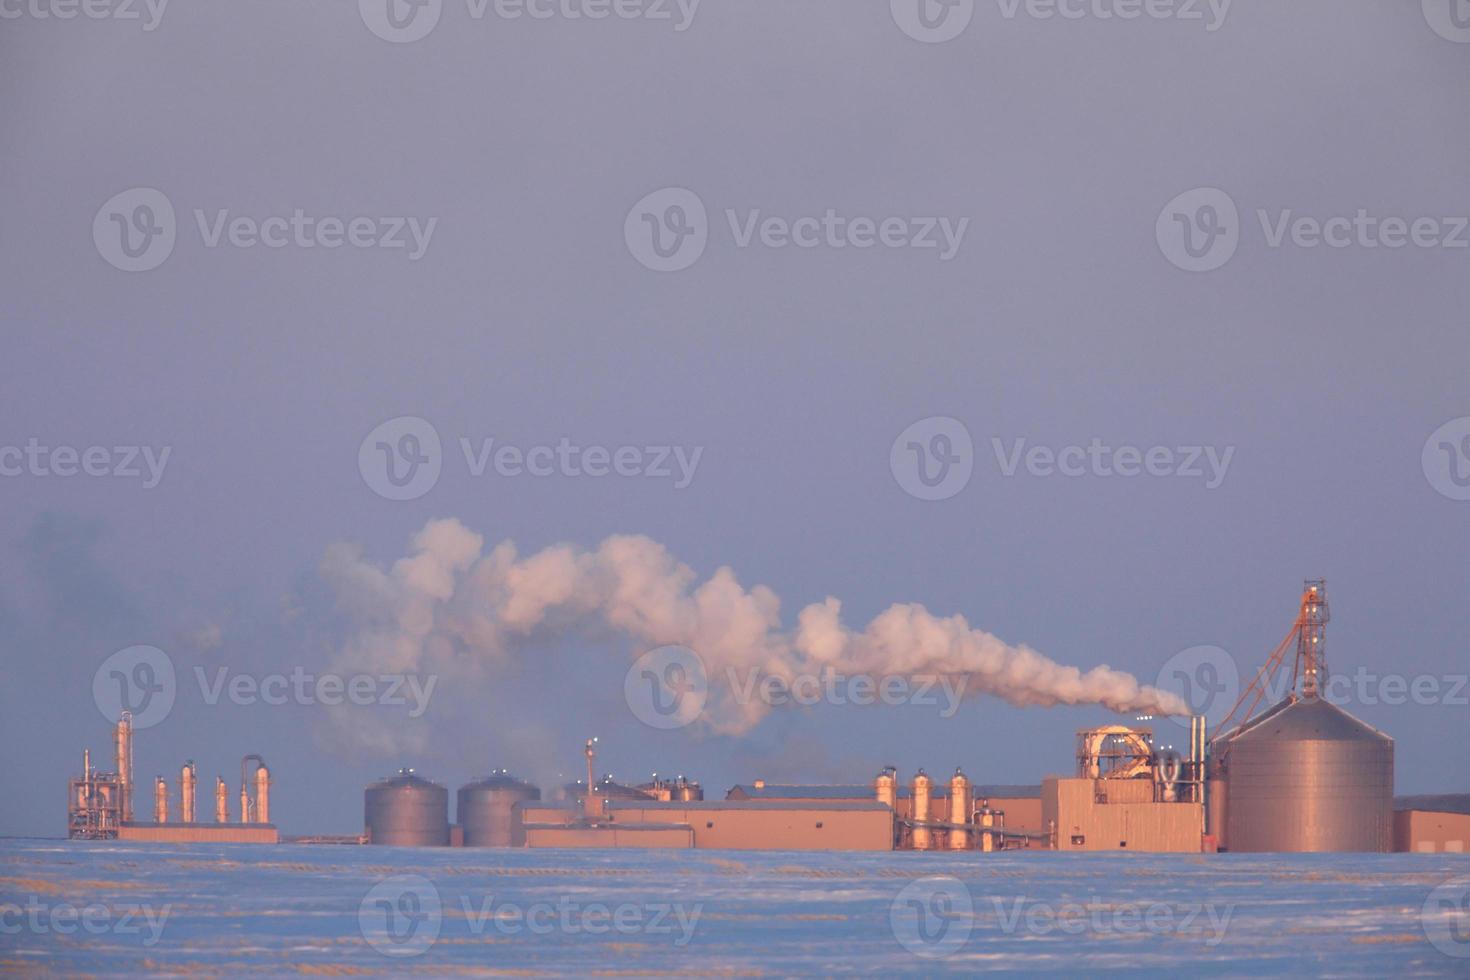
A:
[773,825]
[200,833]
[1118,815]
[1432,824]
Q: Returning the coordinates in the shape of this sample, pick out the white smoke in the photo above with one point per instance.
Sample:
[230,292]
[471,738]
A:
[451,609]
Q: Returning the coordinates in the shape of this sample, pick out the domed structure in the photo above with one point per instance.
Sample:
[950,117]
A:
[486,809]
[1308,776]
[407,810]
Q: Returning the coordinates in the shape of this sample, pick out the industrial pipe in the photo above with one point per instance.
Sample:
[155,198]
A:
[923,788]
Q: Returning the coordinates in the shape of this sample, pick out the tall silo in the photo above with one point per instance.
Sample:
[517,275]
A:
[1308,776]
[486,809]
[407,810]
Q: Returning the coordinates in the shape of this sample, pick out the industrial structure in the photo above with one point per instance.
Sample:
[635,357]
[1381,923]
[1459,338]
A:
[1304,775]
[1301,775]
[100,804]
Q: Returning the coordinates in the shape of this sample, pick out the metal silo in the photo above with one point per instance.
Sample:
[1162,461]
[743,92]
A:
[1308,776]
[407,811]
[485,809]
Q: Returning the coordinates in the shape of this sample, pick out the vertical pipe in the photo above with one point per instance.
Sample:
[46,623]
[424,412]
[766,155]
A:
[221,801]
[591,806]
[160,800]
[244,803]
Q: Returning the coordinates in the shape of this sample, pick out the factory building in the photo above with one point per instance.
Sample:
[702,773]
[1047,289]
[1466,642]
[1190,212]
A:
[100,804]
[1432,824]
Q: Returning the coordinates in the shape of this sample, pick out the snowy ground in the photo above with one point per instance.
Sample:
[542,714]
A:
[69,907]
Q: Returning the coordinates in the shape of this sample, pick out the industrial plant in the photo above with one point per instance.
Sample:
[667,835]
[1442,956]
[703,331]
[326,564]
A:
[1301,775]
[100,804]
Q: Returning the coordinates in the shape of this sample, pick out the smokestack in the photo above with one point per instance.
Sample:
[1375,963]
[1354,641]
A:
[959,811]
[592,806]
[923,786]
[124,752]
[262,794]
[221,801]
[188,779]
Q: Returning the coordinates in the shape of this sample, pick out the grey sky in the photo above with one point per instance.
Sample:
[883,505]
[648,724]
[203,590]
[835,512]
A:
[527,319]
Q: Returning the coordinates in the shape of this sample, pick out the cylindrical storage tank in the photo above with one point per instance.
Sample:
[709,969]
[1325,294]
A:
[486,809]
[406,811]
[188,778]
[959,811]
[160,800]
[923,788]
[886,788]
[221,801]
[688,792]
[1308,776]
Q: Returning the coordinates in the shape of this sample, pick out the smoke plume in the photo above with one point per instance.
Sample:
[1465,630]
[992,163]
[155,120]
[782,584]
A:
[451,608]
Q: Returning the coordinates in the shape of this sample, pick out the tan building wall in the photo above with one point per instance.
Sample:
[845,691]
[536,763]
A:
[200,833]
[1427,832]
[607,835]
[777,827]
[1083,824]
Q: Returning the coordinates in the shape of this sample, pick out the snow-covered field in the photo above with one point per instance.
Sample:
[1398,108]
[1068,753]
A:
[70,907]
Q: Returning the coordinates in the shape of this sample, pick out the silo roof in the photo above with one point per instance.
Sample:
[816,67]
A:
[1307,720]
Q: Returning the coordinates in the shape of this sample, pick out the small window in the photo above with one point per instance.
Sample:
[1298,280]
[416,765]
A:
[819,825]
[709,824]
